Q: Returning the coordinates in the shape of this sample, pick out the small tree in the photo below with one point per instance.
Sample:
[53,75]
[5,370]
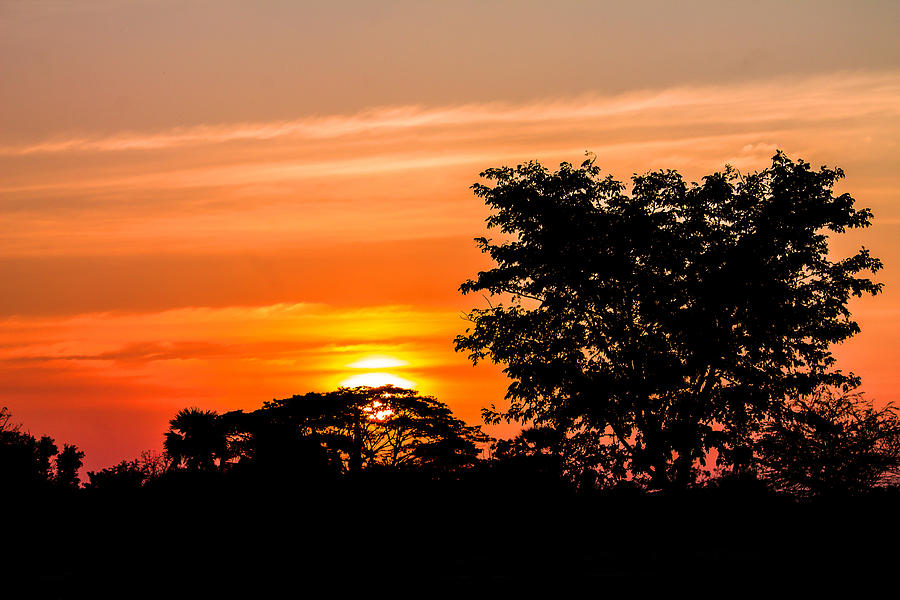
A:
[195,440]
[671,321]
[130,474]
[124,476]
[831,442]
[68,463]
[27,461]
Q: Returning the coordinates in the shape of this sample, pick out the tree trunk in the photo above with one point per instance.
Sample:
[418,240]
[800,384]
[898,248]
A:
[683,466]
[660,477]
[356,454]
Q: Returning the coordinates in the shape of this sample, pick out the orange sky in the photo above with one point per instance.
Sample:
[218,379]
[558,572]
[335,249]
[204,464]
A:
[217,203]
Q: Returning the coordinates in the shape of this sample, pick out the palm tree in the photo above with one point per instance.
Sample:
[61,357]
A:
[195,439]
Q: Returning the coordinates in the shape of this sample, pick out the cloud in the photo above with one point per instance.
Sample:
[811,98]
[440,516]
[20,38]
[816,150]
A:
[142,352]
[313,337]
[393,173]
[833,96]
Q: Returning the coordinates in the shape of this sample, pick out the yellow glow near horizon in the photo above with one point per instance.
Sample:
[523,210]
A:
[378,362]
[377,380]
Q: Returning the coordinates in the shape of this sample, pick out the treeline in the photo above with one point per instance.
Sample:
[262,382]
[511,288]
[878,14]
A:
[829,443]
[346,487]
[307,439]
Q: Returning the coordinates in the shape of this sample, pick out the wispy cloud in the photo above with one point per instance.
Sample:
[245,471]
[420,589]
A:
[836,96]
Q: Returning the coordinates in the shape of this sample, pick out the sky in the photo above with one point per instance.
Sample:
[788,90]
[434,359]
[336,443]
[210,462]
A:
[218,203]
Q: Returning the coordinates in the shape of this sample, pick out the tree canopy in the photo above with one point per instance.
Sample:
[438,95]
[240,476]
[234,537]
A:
[348,429]
[196,438]
[28,462]
[385,426]
[670,321]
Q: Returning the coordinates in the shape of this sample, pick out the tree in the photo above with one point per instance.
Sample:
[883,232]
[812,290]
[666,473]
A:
[124,476]
[669,322]
[278,445]
[27,461]
[130,474]
[386,426]
[196,439]
[68,463]
[831,442]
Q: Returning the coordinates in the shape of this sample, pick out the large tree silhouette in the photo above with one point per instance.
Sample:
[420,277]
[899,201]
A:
[670,321]
[385,426]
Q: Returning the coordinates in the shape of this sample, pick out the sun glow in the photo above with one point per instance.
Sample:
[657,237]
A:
[376,412]
[377,362]
[377,380]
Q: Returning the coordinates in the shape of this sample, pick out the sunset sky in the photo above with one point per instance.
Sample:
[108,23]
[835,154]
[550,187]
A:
[217,203]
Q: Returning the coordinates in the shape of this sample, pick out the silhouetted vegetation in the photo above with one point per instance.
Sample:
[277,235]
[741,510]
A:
[314,485]
[667,323]
[669,360]
[129,475]
[831,443]
[30,463]
[322,436]
[196,440]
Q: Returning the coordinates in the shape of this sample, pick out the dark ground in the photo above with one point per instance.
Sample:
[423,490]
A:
[427,538]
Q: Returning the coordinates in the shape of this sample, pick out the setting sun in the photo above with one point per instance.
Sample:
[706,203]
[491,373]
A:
[376,412]
[377,380]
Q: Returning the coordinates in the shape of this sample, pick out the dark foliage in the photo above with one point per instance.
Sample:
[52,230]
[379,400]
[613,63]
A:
[832,443]
[668,322]
[196,439]
[322,435]
[129,475]
[27,462]
[494,524]
[68,463]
